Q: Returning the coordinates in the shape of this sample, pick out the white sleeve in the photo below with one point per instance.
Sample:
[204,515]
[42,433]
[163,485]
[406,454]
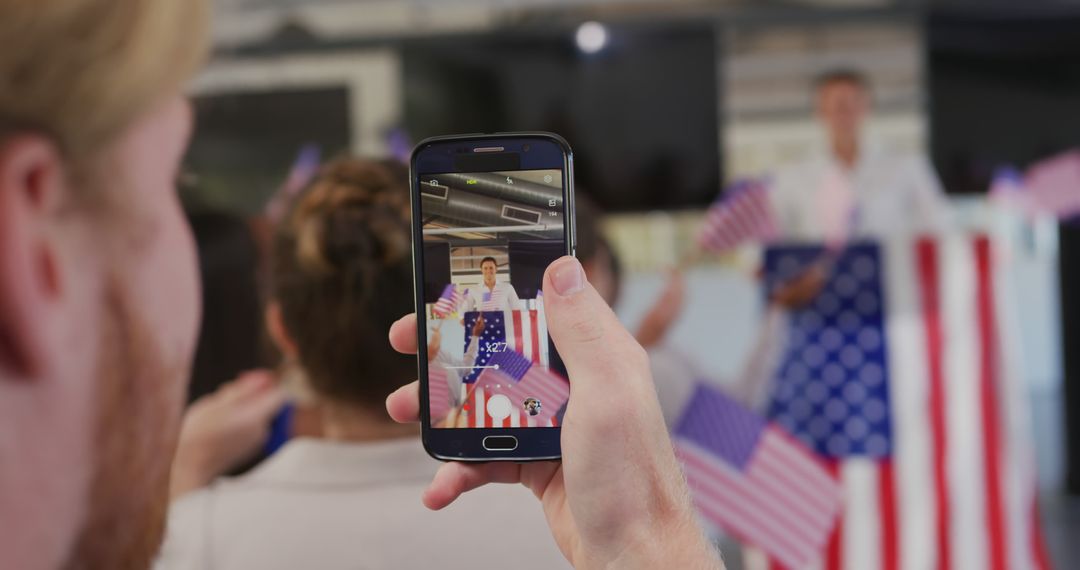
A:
[470,353]
[512,297]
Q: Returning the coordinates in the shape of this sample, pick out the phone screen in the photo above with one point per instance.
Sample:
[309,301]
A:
[488,237]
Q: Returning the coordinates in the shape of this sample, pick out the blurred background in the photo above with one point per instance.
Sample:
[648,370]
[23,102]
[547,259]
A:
[665,104]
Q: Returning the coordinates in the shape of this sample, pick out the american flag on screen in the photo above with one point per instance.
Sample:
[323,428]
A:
[448,302]
[514,376]
[439,399]
[896,376]
[742,214]
[753,480]
[492,300]
[523,331]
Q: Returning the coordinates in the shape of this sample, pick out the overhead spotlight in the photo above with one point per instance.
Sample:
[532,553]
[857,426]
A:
[591,37]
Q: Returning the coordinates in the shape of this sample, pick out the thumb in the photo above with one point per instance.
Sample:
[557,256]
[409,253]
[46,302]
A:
[594,345]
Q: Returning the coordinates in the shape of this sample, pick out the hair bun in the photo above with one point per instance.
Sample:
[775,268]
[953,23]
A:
[353,214]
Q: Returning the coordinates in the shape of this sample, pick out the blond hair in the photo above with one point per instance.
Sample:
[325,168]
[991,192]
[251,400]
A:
[82,71]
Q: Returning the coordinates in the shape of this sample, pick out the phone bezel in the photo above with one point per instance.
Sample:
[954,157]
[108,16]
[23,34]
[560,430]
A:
[466,444]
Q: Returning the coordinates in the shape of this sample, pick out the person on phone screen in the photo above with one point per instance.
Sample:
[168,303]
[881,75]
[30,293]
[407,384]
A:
[491,294]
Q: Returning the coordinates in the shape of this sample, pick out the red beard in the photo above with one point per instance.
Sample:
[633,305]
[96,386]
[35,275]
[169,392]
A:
[139,405]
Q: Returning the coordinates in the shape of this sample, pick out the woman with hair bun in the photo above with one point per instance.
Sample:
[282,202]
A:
[341,275]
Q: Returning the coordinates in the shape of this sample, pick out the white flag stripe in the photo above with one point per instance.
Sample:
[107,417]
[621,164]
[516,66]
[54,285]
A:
[479,411]
[1017,458]
[771,506]
[799,479]
[541,318]
[965,463]
[862,517]
[807,474]
[908,395]
[723,491]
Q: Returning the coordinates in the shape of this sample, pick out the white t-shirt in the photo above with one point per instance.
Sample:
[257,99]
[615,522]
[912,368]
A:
[885,194]
[330,505]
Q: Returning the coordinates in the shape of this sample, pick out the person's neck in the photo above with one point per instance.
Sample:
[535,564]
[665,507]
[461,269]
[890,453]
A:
[490,285]
[845,149]
[348,423]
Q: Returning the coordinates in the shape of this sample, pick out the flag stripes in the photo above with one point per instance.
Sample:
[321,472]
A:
[744,213]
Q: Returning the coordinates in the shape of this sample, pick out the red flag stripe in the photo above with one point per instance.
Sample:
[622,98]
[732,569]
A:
[834,553]
[1038,543]
[518,344]
[890,552]
[534,326]
[927,255]
[991,420]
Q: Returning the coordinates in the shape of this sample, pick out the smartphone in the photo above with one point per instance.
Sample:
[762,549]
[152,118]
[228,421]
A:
[489,214]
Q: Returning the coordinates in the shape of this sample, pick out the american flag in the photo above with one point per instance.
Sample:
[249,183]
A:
[514,376]
[917,414]
[439,400]
[448,302]
[753,480]
[1053,185]
[492,300]
[742,214]
[523,331]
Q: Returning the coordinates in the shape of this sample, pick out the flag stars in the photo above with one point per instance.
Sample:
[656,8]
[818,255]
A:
[864,268]
[874,410]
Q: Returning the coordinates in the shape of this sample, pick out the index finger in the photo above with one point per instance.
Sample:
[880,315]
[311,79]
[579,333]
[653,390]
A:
[403,334]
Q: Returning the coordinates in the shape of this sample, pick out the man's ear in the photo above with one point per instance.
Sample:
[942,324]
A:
[31,183]
[275,324]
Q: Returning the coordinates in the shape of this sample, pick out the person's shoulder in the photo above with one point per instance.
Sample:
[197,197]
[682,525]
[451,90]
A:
[185,544]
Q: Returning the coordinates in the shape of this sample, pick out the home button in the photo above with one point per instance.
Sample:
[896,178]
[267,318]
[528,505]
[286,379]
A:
[500,443]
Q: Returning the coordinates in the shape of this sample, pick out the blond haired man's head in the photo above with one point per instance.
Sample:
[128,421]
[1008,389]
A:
[98,280]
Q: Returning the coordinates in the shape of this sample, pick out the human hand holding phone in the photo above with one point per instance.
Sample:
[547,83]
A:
[618,497]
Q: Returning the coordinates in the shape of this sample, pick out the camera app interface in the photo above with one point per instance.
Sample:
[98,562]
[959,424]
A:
[488,237]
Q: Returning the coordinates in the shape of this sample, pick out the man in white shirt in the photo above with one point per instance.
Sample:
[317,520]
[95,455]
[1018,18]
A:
[855,188]
[491,295]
